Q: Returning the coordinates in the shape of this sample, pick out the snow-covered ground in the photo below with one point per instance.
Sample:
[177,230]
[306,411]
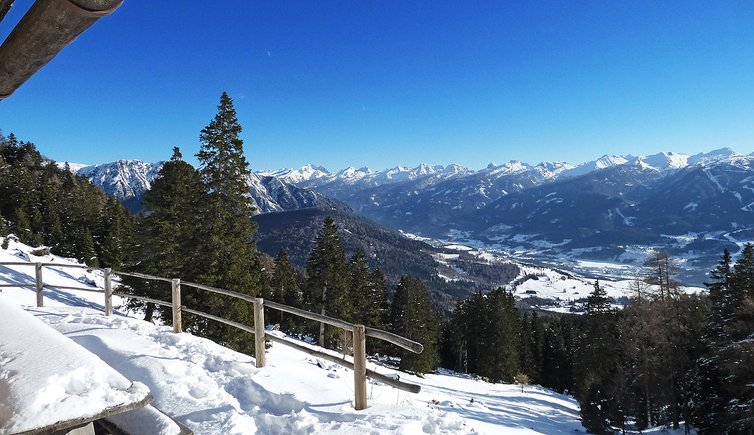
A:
[214,390]
[556,289]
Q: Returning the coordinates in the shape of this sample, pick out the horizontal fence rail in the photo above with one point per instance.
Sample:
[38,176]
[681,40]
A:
[360,332]
[143,298]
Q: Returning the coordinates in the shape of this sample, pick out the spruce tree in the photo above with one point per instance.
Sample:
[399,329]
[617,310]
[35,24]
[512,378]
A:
[499,358]
[228,252]
[285,289]
[368,293]
[597,301]
[326,289]
[414,317]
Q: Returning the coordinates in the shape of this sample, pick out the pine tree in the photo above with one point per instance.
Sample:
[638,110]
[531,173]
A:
[710,394]
[326,289]
[598,365]
[228,250]
[368,293]
[169,238]
[413,316]
[499,350]
[285,289]
[743,273]
[597,301]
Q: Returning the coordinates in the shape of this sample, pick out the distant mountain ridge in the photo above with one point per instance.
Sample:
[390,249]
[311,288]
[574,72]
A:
[607,209]
[313,176]
[128,180]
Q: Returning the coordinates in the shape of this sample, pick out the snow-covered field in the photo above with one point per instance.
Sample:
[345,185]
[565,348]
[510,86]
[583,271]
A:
[556,289]
[214,390]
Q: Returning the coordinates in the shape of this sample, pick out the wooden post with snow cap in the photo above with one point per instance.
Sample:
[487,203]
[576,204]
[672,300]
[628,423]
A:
[359,367]
[40,284]
[108,292]
[259,332]
[177,326]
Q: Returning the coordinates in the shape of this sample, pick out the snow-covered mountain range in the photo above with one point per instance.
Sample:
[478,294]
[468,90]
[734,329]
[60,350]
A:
[318,177]
[128,180]
[605,209]
[692,205]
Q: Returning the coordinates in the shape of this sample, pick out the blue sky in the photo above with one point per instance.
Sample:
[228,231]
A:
[381,83]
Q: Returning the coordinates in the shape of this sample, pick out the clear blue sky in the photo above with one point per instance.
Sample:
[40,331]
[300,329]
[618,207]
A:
[380,83]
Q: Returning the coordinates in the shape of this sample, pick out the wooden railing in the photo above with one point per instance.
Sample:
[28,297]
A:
[360,332]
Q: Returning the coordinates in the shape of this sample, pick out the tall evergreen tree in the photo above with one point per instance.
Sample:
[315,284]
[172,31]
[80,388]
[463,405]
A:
[414,317]
[168,236]
[228,249]
[597,301]
[367,292]
[285,289]
[327,277]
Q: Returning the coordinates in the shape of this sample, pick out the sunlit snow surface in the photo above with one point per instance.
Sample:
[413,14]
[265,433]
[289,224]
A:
[213,390]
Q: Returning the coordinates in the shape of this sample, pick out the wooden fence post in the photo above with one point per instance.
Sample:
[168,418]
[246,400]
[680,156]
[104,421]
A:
[359,367]
[108,292]
[177,326]
[259,331]
[40,284]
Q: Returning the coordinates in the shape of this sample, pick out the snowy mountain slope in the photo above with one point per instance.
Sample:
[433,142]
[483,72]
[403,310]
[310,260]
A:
[128,180]
[351,179]
[214,390]
[122,179]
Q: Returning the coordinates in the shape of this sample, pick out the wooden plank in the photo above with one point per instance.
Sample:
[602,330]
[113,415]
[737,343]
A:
[40,284]
[259,340]
[61,426]
[359,368]
[309,315]
[82,289]
[108,292]
[221,291]
[70,266]
[19,285]
[17,263]
[143,298]
[143,276]
[176,293]
[396,339]
[405,386]
[220,319]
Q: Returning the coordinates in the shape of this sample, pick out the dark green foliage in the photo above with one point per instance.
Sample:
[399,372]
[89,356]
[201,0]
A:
[228,252]
[724,394]
[413,316]
[327,279]
[386,249]
[368,293]
[43,204]
[114,235]
[284,288]
[557,355]
[597,302]
[168,241]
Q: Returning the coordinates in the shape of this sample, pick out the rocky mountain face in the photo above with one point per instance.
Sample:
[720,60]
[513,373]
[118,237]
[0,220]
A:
[128,180]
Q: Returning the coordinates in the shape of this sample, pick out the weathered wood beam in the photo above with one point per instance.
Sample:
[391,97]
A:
[46,28]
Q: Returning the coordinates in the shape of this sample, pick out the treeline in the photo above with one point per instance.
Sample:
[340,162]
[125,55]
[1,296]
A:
[43,204]
[665,359]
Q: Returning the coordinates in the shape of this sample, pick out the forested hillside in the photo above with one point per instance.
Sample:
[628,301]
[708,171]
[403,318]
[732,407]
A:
[45,205]
[294,231]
